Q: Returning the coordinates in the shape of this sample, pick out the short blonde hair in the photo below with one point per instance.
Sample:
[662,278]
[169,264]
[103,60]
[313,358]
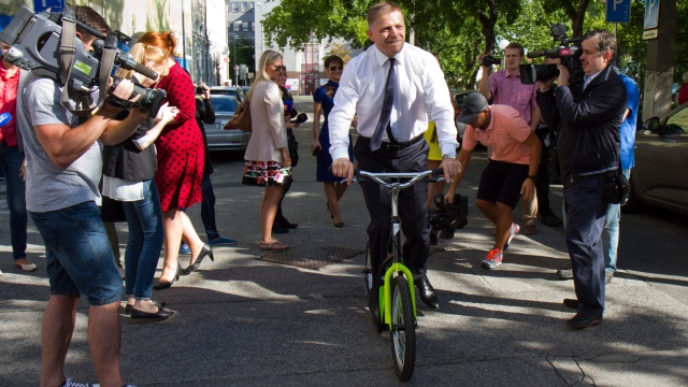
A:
[381,8]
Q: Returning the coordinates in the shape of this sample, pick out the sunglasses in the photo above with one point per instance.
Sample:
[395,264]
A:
[281,68]
[334,68]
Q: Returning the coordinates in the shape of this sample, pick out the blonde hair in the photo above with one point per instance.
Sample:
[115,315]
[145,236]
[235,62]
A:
[268,57]
[141,54]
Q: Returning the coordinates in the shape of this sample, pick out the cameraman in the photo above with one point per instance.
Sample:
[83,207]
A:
[63,157]
[588,148]
[504,87]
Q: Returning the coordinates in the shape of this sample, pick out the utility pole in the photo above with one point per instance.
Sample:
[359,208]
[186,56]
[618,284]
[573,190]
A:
[659,73]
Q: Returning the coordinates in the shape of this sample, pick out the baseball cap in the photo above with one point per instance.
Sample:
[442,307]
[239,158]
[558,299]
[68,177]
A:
[473,104]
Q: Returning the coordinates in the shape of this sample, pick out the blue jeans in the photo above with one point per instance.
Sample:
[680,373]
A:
[144,218]
[10,162]
[78,254]
[610,233]
[208,208]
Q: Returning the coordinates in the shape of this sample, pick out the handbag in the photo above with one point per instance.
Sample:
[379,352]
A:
[616,188]
[241,118]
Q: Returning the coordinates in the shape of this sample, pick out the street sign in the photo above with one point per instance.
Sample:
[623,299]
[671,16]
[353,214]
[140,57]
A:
[650,34]
[651,14]
[42,5]
[618,11]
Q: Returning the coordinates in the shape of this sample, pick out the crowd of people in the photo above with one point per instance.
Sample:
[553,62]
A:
[394,95]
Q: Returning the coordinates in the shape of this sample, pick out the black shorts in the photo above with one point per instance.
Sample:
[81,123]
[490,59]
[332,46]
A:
[501,182]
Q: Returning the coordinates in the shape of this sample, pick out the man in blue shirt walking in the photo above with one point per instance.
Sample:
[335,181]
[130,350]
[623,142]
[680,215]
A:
[610,233]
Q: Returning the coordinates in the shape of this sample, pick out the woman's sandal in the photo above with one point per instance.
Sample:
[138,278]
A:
[274,245]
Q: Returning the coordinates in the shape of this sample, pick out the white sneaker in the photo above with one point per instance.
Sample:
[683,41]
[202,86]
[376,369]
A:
[70,383]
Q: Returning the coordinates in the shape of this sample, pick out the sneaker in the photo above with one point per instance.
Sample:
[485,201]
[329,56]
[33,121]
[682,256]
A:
[222,241]
[493,259]
[70,383]
[512,233]
[184,249]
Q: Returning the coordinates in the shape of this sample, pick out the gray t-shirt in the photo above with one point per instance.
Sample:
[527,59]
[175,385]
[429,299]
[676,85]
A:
[49,187]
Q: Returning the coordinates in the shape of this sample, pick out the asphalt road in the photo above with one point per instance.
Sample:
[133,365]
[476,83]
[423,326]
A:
[243,320]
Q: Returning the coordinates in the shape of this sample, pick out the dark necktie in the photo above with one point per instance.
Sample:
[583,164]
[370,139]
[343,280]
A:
[386,110]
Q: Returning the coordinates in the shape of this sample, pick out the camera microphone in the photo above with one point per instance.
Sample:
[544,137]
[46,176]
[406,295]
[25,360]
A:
[5,119]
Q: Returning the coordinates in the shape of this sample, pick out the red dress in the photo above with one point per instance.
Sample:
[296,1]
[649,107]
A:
[180,146]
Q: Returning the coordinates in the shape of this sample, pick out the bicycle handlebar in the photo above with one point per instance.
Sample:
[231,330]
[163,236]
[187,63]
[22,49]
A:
[382,177]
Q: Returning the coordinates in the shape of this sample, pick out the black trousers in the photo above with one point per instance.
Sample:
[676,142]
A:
[585,212]
[413,209]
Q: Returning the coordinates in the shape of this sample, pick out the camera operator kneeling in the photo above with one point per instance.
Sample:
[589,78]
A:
[588,148]
[63,158]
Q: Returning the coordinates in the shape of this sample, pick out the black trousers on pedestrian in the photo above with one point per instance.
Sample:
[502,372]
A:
[585,211]
[413,209]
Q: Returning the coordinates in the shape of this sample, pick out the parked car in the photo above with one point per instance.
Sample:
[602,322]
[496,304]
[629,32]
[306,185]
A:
[225,101]
[228,90]
[660,174]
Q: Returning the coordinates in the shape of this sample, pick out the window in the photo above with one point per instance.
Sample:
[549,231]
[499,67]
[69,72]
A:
[236,26]
[236,7]
[253,26]
[245,26]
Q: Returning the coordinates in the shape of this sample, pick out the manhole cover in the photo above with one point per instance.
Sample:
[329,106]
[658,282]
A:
[311,257]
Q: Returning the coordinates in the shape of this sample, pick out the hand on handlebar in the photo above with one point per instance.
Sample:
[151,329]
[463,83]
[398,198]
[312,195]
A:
[343,168]
[451,167]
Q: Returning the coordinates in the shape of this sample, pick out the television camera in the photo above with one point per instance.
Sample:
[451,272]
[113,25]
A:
[568,50]
[46,45]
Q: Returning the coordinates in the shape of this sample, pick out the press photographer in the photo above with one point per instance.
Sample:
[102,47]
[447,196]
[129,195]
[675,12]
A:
[63,158]
[588,151]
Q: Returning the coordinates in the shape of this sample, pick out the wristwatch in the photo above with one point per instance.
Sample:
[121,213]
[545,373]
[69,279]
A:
[449,156]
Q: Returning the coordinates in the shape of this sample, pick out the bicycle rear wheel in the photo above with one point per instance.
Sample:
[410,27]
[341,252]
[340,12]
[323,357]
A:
[403,334]
[368,270]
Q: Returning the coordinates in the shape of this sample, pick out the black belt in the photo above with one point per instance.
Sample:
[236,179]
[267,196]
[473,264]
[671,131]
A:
[569,180]
[392,146]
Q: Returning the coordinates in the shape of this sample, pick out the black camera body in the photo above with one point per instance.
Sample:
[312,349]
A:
[445,218]
[489,60]
[36,41]
[568,50]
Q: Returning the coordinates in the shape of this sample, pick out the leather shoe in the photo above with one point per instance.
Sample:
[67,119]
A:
[580,320]
[571,303]
[427,293]
[161,314]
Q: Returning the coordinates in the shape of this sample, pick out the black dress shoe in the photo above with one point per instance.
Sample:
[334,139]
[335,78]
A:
[279,229]
[571,303]
[427,293]
[164,284]
[580,320]
[128,308]
[161,314]
[205,251]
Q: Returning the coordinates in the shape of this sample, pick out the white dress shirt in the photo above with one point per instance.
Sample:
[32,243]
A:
[421,90]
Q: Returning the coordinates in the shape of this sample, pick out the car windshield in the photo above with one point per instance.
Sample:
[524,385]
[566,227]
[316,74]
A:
[224,103]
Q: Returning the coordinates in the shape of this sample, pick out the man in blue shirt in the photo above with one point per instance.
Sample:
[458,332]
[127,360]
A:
[610,233]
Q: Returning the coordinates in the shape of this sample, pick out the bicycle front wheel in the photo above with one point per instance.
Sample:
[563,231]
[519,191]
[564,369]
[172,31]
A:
[403,334]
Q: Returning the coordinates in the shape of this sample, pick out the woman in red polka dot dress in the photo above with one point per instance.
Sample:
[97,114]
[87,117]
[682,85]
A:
[180,161]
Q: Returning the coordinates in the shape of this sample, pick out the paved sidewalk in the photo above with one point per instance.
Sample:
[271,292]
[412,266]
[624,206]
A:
[246,321]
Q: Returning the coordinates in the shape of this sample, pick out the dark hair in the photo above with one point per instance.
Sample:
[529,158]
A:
[88,16]
[333,58]
[381,8]
[514,46]
[604,41]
